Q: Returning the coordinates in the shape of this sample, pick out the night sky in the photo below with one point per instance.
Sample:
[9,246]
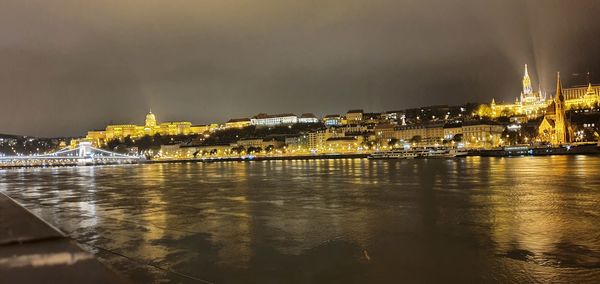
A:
[71,66]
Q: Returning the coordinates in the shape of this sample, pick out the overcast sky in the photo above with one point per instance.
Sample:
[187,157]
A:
[71,66]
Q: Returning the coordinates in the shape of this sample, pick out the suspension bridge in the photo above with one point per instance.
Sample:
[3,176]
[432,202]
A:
[84,154]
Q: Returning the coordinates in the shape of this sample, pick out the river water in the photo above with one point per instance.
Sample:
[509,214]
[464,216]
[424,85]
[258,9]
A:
[529,219]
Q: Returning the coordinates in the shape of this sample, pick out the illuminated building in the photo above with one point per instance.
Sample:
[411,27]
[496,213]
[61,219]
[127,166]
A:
[332,120]
[582,97]
[482,134]
[532,104]
[258,143]
[451,130]
[553,127]
[385,131]
[150,127]
[422,133]
[529,103]
[352,128]
[308,118]
[316,140]
[344,144]
[559,122]
[249,142]
[263,119]
[297,141]
[354,116]
[237,123]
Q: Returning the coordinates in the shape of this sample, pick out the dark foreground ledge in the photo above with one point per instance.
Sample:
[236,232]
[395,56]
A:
[32,251]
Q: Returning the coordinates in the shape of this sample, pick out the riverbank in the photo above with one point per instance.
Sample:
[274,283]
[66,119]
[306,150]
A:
[263,158]
[588,149]
[35,252]
[584,149]
[510,151]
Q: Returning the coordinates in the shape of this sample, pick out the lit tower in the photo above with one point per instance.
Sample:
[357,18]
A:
[527,90]
[150,120]
[590,98]
[559,122]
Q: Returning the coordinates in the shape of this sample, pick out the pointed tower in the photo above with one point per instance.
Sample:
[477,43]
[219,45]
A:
[559,122]
[590,90]
[527,89]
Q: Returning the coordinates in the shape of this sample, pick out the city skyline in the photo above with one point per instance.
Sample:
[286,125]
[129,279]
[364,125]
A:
[209,62]
[314,141]
[321,117]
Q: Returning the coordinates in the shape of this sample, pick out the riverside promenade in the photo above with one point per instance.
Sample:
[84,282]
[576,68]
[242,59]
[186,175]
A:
[32,251]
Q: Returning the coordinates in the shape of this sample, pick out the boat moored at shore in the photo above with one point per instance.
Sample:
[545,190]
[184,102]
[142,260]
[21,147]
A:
[425,153]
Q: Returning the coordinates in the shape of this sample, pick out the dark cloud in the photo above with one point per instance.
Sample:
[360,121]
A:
[69,66]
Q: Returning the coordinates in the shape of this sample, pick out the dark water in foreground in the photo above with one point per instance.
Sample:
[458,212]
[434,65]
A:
[534,219]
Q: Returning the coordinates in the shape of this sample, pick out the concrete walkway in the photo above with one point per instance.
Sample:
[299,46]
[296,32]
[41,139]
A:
[32,251]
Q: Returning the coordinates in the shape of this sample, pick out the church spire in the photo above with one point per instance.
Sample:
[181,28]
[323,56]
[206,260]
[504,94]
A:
[558,86]
[527,90]
[559,121]
[590,90]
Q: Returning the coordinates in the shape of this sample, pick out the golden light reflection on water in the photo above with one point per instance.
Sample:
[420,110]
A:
[509,219]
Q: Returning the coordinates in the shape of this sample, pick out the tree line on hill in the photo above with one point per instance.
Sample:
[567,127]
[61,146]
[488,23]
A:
[219,137]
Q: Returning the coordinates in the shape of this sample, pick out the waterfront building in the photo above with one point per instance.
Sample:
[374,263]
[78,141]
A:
[316,139]
[482,133]
[343,144]
[263,119]
[237,123]
[172,151]
[297,141]
[308,118]
[385,131]
[421,134]
[451,130]
[258,143]
[275,142]
[249,142]
[150,127]
[216,150]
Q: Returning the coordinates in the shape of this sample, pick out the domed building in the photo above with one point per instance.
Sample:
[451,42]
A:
[151,127]
[150,120]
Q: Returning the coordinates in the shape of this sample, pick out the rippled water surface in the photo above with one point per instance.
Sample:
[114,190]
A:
[534,219]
